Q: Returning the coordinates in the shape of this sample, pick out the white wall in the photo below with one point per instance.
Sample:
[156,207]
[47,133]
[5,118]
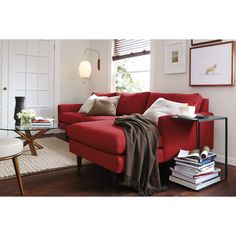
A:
[100,81]
[73,88]
[220,98]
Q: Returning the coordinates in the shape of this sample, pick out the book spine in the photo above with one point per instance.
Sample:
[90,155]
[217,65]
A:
[199,164]
[195,166]
[194,186]
[206,173]
[208,160]
[42,123]
[196,180]
[187,174]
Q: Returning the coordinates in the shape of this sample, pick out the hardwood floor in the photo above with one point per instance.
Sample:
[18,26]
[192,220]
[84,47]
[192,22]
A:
[96,181]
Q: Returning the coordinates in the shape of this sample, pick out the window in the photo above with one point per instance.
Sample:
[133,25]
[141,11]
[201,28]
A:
[131,65]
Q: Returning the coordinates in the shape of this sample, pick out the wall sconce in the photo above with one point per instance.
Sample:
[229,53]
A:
[85,69]
[85,66]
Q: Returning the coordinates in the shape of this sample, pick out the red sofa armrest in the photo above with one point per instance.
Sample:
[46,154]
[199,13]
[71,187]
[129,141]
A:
[182,134]
[205,105]
[68,108]
[63,108]
[176,134]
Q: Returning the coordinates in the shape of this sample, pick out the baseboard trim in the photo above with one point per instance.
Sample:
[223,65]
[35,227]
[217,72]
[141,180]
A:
[221,159]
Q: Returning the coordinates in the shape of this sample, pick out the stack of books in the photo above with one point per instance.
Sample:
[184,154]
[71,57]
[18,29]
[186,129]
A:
[42,122]
[195,170]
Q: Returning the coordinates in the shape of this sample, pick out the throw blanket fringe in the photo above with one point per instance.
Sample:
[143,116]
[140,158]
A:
[141,168]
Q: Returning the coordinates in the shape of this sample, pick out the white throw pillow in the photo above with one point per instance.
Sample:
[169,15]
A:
[89,103]
[188,111]
[162,107]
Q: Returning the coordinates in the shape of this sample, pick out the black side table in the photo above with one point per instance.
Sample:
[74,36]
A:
[207,119]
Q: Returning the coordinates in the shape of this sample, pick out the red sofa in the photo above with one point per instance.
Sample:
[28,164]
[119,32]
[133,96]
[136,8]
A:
[98,140]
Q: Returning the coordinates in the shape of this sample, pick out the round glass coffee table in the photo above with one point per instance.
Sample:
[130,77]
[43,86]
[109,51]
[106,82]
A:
[29,137]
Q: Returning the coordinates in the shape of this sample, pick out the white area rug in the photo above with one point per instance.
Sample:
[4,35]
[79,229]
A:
[55,155]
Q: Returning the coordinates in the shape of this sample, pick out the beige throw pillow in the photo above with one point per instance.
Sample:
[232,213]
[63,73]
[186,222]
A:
[89,103]
[102,107]
[114,100]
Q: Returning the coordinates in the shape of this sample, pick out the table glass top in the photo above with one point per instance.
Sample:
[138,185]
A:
[32,128]
[201,119]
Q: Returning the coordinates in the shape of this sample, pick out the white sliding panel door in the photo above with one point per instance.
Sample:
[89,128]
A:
[31,74]
[3,84]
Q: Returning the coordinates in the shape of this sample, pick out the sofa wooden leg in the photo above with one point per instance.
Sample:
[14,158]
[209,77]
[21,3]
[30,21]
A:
[114,179]
[79,161]
[67,138]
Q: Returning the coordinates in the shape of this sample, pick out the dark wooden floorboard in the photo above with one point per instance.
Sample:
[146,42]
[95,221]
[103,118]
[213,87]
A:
[96,181]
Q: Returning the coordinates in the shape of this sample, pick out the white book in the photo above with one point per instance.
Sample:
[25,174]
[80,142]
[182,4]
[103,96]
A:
[192,185]
[196,180]
[189,116]
[193,170]
[195,174]
[42,124]
[195,166]
[42,121]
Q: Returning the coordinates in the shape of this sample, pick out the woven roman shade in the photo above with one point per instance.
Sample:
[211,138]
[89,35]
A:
[125,48]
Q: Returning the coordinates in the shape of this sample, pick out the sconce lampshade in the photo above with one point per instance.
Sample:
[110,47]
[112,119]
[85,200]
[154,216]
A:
[85,69]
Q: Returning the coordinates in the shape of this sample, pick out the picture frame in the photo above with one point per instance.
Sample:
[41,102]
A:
[196,42]
[212,65]
[175,56]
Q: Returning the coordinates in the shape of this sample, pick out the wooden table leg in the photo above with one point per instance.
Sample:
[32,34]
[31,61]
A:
[17,170]
[35,144]
[29,139]
[31,143]
[38,145]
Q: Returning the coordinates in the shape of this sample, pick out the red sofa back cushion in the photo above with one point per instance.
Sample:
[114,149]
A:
[194,99]
[131,103]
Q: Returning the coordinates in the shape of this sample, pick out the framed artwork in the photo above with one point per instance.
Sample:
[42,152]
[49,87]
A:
[195,42]
[175,56]
[212,65]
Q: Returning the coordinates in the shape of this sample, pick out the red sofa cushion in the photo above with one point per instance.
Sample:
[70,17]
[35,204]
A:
[194,99]
[132,103]
[102,135]
[96,118]
[112,162]
[71,117]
